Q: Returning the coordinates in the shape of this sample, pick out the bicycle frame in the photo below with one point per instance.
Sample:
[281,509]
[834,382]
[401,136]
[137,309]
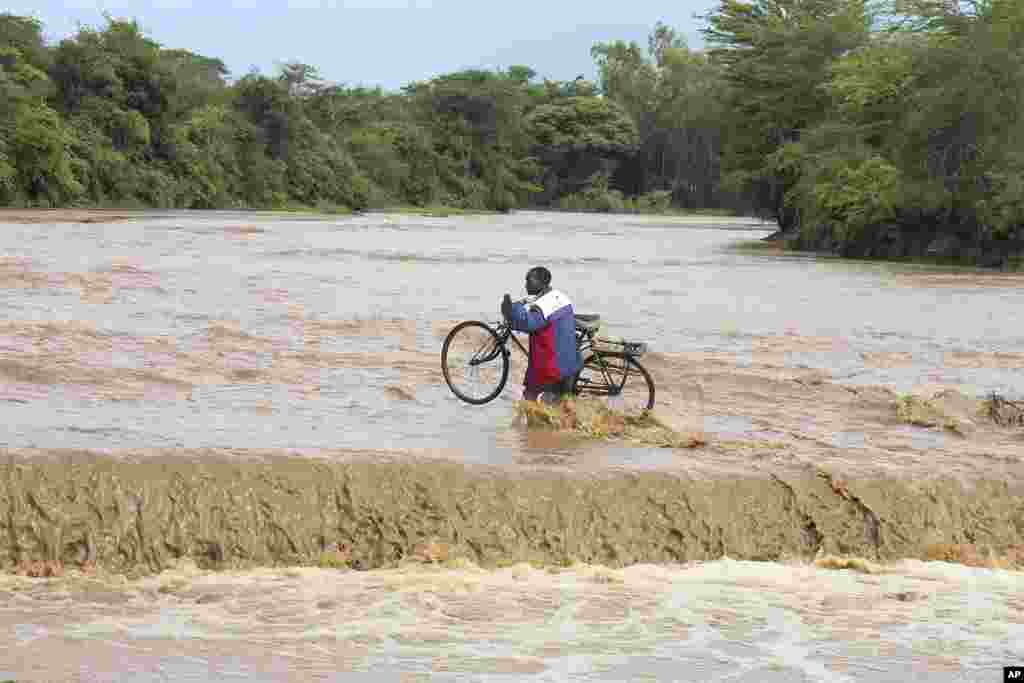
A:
[504,332]
[607,370]
[585,341]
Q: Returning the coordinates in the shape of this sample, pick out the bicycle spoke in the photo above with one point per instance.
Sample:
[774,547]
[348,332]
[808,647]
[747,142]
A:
[475,363]
[617,380]
[480,380]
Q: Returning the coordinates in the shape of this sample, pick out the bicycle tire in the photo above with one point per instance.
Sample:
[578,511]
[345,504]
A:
[492,344]
[591,365]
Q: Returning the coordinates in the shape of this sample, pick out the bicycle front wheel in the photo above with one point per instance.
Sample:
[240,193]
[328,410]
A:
[474,362]
[618,377]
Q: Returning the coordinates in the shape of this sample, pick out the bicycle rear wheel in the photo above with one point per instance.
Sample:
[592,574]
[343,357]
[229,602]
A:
[619,377]
[474,362]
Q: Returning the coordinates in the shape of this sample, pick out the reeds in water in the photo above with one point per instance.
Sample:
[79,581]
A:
[593,419]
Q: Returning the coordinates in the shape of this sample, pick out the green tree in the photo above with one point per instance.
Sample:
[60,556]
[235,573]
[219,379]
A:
[25,34]
[629,79]
[475,123]
[36,163]
[576,137]
[201,80]
[671,93]
[775,57]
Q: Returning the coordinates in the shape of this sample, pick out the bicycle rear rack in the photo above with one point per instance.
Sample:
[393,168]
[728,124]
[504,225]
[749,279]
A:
[628,348]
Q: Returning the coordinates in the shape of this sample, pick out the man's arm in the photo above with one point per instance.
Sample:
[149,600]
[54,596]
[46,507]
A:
[527,319]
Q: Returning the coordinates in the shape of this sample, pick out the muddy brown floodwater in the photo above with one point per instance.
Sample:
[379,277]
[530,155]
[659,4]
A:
[210,420]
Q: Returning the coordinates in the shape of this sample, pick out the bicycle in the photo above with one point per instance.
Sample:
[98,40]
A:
[476,355]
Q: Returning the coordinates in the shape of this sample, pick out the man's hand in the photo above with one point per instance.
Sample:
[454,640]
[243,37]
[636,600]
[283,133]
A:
[506,307]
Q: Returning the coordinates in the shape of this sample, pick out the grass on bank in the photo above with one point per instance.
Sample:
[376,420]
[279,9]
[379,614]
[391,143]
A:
[631,209]
[612,203]
[760,245]
[432,211]
[320,209]
[598,197]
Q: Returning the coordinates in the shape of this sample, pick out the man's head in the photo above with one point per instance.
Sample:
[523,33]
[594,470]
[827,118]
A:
[538,279]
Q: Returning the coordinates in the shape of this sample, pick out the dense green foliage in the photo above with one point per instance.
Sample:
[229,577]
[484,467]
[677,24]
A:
[110,117]
[869,127]
[877,129]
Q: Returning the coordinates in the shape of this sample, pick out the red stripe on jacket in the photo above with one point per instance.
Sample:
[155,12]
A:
[543,358]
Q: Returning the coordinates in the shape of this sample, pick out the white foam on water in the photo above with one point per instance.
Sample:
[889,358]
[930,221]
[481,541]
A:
[705,621]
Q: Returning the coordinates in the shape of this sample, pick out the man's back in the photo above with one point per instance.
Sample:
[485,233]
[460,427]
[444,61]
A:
[551,321]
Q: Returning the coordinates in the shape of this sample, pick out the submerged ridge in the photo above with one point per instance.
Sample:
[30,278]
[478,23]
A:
[142,511]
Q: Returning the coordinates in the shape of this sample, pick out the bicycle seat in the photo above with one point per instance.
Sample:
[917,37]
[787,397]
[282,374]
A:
[588,322]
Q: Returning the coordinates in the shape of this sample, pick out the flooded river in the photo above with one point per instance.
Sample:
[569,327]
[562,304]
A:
[210,297]
[227,332]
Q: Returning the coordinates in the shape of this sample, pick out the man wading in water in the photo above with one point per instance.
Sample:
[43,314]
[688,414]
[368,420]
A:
[551,321]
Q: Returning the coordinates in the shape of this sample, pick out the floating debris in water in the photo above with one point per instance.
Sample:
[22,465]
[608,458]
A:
[857,564]
[954,412]
[918,412]
[595,420]
[1003,412]
[972,555]
[400,393]
[40,568]
[432,551]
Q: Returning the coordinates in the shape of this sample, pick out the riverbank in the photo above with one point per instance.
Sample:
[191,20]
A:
[106,215]
[43,216]
[110,215]
[890,243]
